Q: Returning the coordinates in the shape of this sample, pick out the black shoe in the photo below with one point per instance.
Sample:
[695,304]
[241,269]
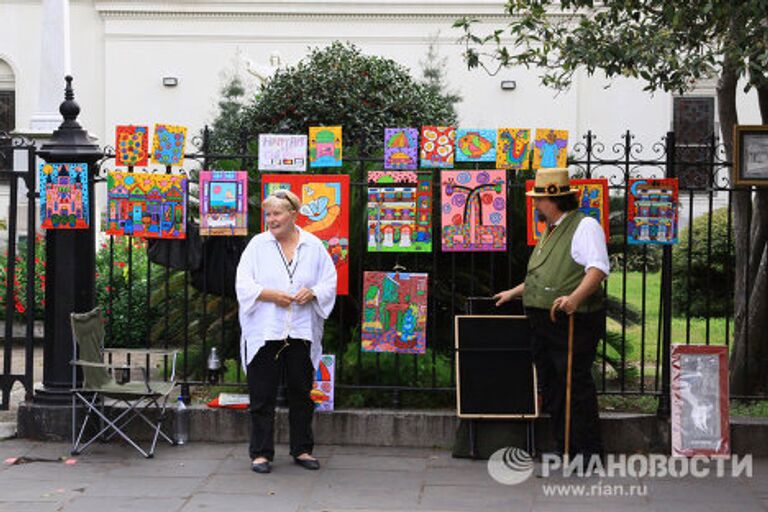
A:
[261,467]
[307,463]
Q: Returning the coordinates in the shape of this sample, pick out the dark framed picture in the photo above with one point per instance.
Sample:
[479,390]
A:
[750,155]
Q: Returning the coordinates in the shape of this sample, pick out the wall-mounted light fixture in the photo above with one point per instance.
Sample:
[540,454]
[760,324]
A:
[170,81]
[508,85]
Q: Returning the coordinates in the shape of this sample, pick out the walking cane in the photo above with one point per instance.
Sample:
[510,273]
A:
[568,373]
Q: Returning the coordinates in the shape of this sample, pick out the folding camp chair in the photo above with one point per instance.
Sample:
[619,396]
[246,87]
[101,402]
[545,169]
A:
[111,404]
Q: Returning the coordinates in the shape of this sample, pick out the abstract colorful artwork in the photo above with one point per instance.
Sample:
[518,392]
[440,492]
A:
[513,148]
[324,212]
[550,149]
[394,312]
[473,207]
[401,148]
[475,145]
[399,211]
[147,205]
[325,146]
[131,143]
[323,385]
[168,144]
[223,203]
[652,211]
[593,202]
[282,152]
[437,146]
[63,196]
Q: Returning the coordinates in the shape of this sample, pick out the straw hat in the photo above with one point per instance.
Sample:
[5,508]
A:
[552,183]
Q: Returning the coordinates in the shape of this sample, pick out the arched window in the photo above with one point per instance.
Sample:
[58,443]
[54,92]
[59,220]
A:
[7,98]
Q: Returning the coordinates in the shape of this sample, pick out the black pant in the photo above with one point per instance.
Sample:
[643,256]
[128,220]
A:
[550,352]
[290,357]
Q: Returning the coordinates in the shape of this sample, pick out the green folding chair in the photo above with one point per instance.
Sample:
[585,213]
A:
[111,405]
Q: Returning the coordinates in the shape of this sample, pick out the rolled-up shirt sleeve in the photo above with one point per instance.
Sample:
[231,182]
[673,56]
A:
[588,247]
[247,286]
[325,289]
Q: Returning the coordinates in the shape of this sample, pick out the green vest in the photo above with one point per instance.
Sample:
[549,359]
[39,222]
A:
[552,271]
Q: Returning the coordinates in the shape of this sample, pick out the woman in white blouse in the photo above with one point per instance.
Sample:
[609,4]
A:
[286,288]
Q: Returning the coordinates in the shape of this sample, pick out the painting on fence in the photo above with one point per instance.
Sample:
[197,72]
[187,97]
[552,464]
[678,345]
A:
[146,205]
[324,212]
[401,148]
[394,312]
[475,145]
[593,201]
[325,146]
[399,211]
[513,148]
[323,385]
[131,145]
[63,196]
[437,146]
[282,152]
[550,149]
[652,211]
[223,203]
[168,144]
[699,412]
[473,209]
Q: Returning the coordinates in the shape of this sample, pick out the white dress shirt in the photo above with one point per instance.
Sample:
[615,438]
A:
[588,247]
[261,266]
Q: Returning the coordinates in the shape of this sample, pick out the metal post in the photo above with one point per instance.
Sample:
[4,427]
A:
[666,298]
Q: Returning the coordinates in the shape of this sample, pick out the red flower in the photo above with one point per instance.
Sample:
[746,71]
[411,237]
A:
[19,307]
[121,264]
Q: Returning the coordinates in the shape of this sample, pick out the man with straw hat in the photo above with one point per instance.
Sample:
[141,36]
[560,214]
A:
[562,287]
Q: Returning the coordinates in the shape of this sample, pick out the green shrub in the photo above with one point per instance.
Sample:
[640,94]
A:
[19,280]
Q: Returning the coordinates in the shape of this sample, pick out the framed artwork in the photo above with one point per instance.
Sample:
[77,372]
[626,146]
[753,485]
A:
[399,211]
[394,312]
[322,393]
[437,146]
[324,212]
[147,205]
[223,203]
[699,387]
[473,206]
[475,145]
[131,143]
[282,152]
[401,148]
[63,196]
[513,148]
[750,155]
[168,144]
[593,202]
[325,146]
[652,211]
[550,149]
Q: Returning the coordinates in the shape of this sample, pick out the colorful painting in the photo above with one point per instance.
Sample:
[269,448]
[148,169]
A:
[394,312]
[652,211]
[147,205]
[168,144]
[401,148]
[475,145]
[473,210]
[282,152]
[324,212]
[399,211]
[550,148]
[131,143]
[63,196]
[437,146]
[593,201]
[323,385]
[513,148]
[223,203]
[325,146]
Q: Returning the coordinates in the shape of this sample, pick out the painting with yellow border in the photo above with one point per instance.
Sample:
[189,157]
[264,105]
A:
[550,149]
[513,148]
[325,146]
[168,144]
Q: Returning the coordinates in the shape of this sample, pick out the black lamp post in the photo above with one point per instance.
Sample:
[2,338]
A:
[70,259]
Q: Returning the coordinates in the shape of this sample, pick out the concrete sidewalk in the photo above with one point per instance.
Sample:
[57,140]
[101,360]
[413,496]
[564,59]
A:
[217,477]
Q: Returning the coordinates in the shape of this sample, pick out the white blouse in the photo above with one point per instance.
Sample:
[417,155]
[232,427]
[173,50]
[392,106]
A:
[261,266]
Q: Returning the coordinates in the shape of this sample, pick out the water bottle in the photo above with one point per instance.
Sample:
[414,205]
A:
[181,422]
[214,366]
